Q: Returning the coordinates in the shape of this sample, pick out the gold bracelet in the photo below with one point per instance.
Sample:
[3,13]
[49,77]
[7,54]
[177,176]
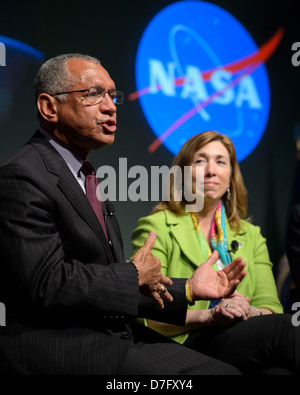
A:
[188,294]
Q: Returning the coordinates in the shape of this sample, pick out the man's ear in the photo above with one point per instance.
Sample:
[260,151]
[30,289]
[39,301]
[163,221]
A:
[47,107]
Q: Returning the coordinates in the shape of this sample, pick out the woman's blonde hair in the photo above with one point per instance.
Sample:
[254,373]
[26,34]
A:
[236,206]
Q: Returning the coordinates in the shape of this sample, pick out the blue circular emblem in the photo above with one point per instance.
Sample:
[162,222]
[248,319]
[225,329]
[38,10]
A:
[198,69]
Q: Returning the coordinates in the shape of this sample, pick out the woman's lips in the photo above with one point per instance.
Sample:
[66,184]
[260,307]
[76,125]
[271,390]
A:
[210,184]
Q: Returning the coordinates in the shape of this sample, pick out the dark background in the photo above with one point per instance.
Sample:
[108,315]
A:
[111,30]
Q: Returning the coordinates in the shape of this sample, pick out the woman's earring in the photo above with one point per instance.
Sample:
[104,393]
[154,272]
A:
[228,194]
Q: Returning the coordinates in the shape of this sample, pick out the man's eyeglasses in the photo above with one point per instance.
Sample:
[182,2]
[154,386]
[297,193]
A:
[96,95]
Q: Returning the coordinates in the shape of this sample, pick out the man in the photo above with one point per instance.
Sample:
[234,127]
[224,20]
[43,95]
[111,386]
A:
[71,298]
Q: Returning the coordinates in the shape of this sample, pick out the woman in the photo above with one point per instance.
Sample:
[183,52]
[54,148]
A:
[185,240]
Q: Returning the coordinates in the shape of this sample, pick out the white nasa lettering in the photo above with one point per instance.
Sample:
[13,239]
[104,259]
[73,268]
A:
[219,80]
[248,93]
[194,86]
[163,79]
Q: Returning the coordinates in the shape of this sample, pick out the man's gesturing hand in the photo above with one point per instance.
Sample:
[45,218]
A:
[150,277]
[207,283]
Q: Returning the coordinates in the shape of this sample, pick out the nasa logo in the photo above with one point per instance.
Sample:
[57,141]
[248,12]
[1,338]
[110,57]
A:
[197,69]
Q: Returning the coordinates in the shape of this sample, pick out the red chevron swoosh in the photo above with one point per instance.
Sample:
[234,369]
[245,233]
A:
[248,64]
[261,55]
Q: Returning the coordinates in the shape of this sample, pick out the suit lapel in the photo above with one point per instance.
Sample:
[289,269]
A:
[182,229]
[113,232]
[69,186]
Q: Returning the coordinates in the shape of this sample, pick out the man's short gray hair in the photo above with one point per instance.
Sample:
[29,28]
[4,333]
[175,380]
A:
[53,77]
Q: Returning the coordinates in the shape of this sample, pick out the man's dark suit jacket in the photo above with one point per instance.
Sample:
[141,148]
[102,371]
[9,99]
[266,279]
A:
[69,307]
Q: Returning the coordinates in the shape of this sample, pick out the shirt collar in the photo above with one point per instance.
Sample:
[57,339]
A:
[74,163]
